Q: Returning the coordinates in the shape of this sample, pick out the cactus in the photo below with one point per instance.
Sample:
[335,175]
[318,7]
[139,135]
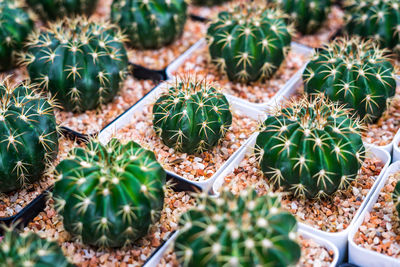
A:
[28,249]
[82,63]
[312,149]
[150,24]
[192,116]
[249,43]
[55,9]
[245,230]
[28,135]
[354,73]
[15,26]
[108,196]
[378,19]
[208,2]
[396,198]
[308,15]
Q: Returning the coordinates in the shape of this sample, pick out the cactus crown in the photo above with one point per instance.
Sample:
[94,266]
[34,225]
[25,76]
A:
[312,148]
[244,230]
[150,24]
[28,134]
[355,73]
[249,43]
[192,116]
[82,63]
[108,196]
[378,19]
[396,198]
[28,249]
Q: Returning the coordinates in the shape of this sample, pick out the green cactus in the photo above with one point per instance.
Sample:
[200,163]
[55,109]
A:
[15,26]
[82,63]
[56,9]
[150,24]
[312,149]
[28,135]
[28,249]
[396,198]
[209,3]
[108,196]
[378,19]
[249,43]
[308,15]
[354,73]
[192,116]
[245,230]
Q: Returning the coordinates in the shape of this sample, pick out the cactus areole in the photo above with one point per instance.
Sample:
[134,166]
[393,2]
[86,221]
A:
[150,24]
[28,135]
[82,63]
[246,230]
[354,73]
[192,116]
[312,148]
[108,196]
[249,43]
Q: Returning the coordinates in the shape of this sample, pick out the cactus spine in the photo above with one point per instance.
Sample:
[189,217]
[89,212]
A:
[354,73]
[310,148]
[108,196]
[245,230]
[15,26]
[55,9]
[28,249]
[150,24]
[250,43]
[192,116]
[378,19]
[28,135]
[82,63]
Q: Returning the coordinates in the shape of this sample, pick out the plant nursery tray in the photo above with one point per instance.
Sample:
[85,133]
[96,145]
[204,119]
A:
[339,239]
[360,255]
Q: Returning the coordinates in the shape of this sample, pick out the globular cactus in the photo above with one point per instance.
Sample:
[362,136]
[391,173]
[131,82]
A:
[55,9]
[378,19]
[82,63]
[396,198]
[28,135]
[208,2]
[354,73]
[150,24]
[192,116]
[312,149]
[108,196]
[15,26]
[249,43]
[245,230]
[308,15]
[28,249]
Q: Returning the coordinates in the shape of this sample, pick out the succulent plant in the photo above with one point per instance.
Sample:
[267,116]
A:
[109,195]
[208,2]
[55,9]
[396,198]
[15,26]
[192,116]
[150,24]
[245,230]
[308,15]
[312,149]
[28,135]
[249,43]
[378,19]
[28,249]
[354,73]
[82,63]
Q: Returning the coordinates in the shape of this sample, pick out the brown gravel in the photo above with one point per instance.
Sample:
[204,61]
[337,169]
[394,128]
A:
[332,215]
[312,254]
[380,230]
[13,202]
[194,167]
[48,224]
[256,92]
[329,28]
[209,12]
